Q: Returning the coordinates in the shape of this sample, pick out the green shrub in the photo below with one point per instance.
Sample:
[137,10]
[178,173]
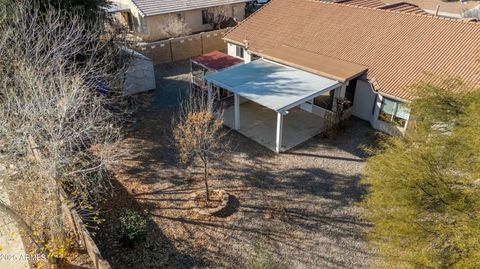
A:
[133,227]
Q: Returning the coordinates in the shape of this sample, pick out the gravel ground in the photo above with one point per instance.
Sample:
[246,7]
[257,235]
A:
[299,204]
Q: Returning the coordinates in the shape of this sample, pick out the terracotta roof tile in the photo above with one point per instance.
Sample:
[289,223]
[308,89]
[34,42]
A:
[398,6]
[362,3]
[398,48]
[453,7]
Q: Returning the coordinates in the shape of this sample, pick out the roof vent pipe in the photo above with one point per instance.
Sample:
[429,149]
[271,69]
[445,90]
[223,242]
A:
[437,10]
[246,43]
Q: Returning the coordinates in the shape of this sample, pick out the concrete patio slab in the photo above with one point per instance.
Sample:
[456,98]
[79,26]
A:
[259,124]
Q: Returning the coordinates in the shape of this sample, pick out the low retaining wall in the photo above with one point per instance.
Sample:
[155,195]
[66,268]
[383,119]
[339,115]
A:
[181,48]
[69,212]
[85,238]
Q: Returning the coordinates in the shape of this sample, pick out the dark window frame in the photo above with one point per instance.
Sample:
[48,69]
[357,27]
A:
[392,118]
[239,52]
[205,17]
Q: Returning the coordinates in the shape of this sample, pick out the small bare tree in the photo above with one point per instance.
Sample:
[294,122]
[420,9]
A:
[341,105]
[174,26]
[57,124]
[218,16]
[198,133]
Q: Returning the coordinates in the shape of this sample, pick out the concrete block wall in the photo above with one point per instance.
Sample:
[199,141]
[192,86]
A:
[184,48]
[213,41]
[175,49]
[159,52]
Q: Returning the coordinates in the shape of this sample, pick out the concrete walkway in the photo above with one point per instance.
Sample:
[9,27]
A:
[12,251]
[259,124]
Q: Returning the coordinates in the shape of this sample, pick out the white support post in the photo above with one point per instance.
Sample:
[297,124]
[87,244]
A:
[376,112]
[209,93]
[278,146]
[236,100]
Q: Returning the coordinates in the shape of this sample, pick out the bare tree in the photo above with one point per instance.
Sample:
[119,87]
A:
[198,133]
[174,26]
[58,125]
[341,105]
[218,16]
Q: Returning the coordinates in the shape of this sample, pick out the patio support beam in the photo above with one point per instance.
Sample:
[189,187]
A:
[278,146]
[209,92]
[236,100]
[339,94]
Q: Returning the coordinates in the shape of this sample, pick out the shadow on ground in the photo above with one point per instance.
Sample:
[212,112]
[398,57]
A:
[156,252]
[300,203]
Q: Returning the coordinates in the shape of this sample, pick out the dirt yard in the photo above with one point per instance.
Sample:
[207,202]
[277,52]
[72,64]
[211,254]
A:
[298,205]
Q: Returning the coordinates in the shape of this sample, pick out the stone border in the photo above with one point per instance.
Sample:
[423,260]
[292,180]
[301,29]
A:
[215,210]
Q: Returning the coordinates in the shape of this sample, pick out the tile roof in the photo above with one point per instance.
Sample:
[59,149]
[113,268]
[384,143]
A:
[362,3]
[397,6]
[398,48]
[455,7]
[158,7]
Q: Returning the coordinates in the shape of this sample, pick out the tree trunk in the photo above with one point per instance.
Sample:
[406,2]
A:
[205,177]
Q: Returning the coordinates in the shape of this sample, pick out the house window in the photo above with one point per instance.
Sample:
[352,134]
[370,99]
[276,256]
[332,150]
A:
[143,24]
[394,112]
[205,17]
[239,52]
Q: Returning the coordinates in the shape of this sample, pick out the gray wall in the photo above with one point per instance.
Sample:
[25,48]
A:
[364,101]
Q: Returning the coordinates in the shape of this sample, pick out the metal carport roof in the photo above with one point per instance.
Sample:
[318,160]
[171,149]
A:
[272,85]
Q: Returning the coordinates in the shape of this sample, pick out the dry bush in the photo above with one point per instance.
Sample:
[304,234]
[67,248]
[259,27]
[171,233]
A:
[198,133]
[174,27]
[59,131]
[218,16]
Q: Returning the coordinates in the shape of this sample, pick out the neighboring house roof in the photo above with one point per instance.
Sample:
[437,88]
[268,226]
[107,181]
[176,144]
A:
[397,6]
[362,3]
[453,7]
[473,13]
[405,7]
[398,48]
[159,7]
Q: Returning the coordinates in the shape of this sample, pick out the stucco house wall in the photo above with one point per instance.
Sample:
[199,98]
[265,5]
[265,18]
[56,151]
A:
[148,28]
[367,102]
[364,100]
[232,51]
[135,14]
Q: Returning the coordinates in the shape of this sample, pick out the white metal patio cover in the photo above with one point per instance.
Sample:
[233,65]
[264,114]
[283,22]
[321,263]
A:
[272,85]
